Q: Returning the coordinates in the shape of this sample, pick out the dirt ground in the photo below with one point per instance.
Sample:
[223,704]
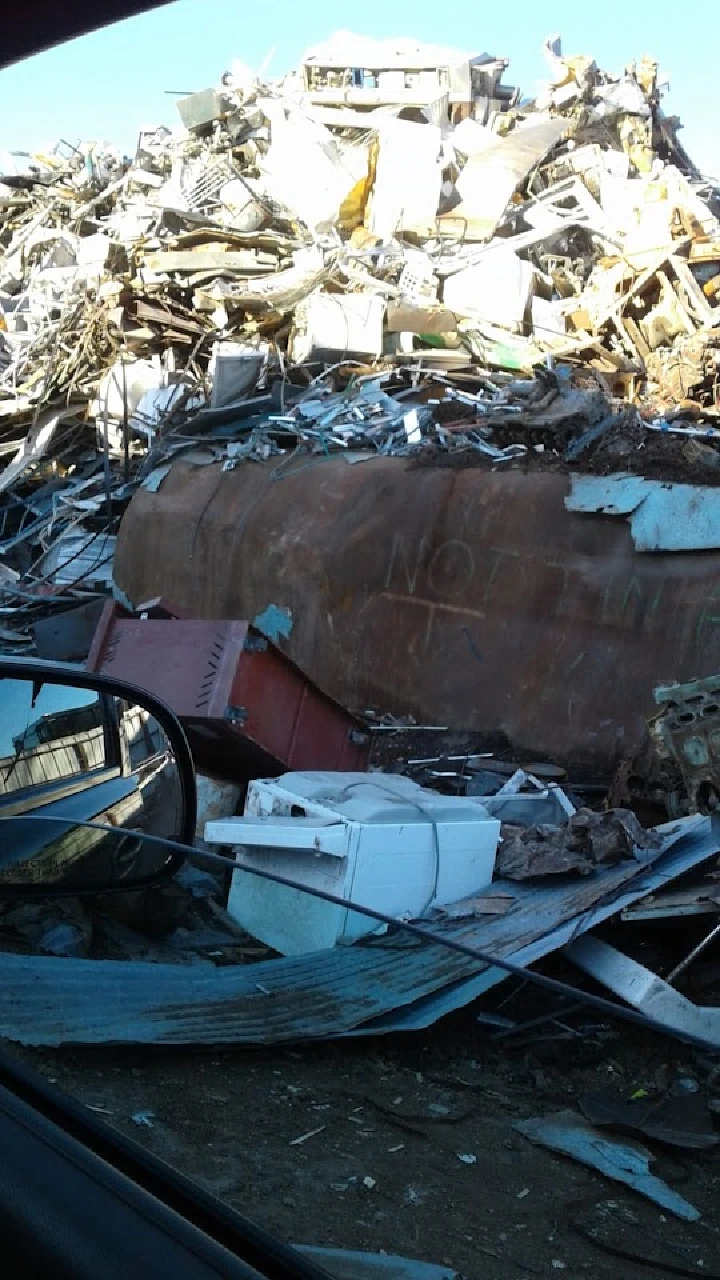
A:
[405,1143]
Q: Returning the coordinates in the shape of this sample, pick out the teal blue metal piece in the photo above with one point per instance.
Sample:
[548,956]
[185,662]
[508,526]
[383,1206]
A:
[616,495]
[663,516]
[677,517]
[625,1162]
[275,623]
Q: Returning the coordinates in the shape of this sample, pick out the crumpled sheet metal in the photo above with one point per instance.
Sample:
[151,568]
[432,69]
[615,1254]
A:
[267,200]
[626,1162]
[461,597]
[696,845]
[359,990]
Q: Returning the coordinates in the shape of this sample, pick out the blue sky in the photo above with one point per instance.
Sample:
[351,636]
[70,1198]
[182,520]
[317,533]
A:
[107,84]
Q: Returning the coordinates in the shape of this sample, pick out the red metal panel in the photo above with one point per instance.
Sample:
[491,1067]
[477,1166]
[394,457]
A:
[291,721]
[460,596]
[245,705]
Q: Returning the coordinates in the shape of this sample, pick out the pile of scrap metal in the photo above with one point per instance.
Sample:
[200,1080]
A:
[426,933]
[337,871]
[388,251]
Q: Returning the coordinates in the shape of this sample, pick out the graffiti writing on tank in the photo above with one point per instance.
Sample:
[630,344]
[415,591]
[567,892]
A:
[476,582]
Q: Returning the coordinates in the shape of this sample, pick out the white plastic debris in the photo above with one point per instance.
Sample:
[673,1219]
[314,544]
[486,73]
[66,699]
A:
[406,192]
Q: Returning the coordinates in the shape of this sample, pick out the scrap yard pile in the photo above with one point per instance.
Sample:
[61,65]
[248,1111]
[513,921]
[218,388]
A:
[390,251]
[441,730]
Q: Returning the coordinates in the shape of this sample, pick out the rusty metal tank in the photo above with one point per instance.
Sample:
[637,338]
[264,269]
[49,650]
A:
[462,597]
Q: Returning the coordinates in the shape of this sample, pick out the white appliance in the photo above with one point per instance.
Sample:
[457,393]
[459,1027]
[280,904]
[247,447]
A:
[376,839]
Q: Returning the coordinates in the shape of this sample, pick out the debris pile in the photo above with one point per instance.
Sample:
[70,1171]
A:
[389,251]
[587,840]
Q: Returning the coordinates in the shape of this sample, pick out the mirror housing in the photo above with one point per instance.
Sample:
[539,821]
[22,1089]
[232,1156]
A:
[78,747]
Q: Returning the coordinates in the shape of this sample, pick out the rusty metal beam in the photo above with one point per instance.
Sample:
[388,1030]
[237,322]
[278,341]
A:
[460,596]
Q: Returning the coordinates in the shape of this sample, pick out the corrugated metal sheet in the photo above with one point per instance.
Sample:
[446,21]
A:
[698,844]
[459,596]
[382,986]
[78,556]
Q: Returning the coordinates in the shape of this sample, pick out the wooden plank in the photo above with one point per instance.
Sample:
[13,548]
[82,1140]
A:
[705,251]
[273,241]
[161,315]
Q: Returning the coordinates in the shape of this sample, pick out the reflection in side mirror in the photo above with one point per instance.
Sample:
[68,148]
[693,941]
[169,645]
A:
[49,855]
[82,748]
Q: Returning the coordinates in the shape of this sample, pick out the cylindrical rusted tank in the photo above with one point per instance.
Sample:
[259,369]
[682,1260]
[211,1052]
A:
[459,596]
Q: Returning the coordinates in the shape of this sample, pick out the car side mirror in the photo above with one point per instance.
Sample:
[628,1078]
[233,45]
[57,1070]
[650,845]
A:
[79,747]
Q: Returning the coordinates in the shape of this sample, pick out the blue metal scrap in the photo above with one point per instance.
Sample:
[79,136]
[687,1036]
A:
[275,622]
[615,495]
[389,984]
[663,516]
[625,1162]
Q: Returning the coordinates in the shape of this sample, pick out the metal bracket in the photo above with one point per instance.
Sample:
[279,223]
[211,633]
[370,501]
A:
[255,644]
[235,715]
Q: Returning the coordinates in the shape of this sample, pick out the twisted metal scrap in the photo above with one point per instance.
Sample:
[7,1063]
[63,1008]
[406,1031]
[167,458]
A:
[70,357]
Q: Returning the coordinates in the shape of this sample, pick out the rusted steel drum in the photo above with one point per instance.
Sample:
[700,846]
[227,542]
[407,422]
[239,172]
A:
[459,596]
